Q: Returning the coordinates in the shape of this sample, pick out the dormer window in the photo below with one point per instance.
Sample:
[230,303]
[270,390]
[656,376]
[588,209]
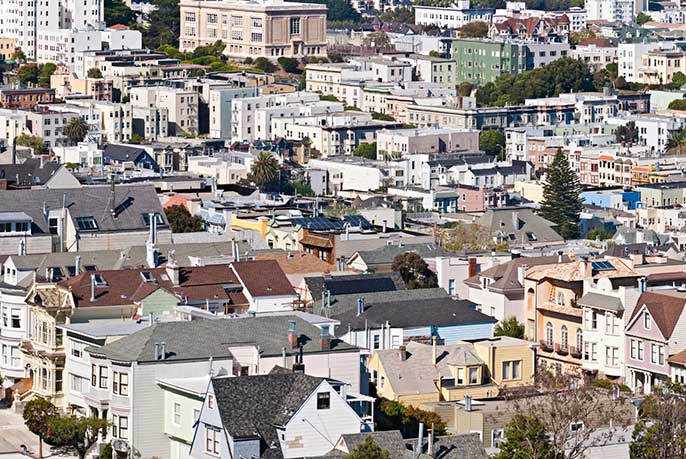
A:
[86,224]
[13,223]
[647,320]
[147,277]
[99,280]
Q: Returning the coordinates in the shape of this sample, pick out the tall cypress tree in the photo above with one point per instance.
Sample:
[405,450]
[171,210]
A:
[562,197]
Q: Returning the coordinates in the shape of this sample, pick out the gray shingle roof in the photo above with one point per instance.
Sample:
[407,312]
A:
[29,173]
[204,338]
[522,223]
[438,312]
[604,302]
[250,406]
[387,253]
[317,284]
[130,203]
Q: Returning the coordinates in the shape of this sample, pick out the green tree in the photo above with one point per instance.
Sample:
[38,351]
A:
[382,116]
[562,197]
[136,139]
[678,104]
[368,449]
[627,133]
[32,141]
[402,15]
[164,25]
[476,29]
[265,170]
[76,129]
[492,142]
[19,56]
[465,88]
[600,234]
[509,327]
[377,40]
[117,12]
[678,80]
[525,438]
[660,432]
[366,150]
[74,433]
[677,141]
[341,10]
[265,65]
[181,220]
[46,71]
[94,73]
[642,18]
[289,64]
[28,74]
[396,416]
[577,37]
[37,413]
[414,271]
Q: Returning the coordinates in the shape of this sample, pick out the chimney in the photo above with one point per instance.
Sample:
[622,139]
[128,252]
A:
[153,228]
[468,403]
[283,357]
[642,284]
[292,335]
[163,350]
[430,452]
[157,351]
[92,288]
[113,204]
[77,265]
[471,271]
[434,355]
[152,256]
[521,272]
[637,258]
[172,269]
[420,439]
[235,251]
[385,226]
[325,338]
[402,350]
[515,220]
[559,257]
[360,306]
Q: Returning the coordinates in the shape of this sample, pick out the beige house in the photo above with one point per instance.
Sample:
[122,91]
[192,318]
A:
[270,28]
[420,373]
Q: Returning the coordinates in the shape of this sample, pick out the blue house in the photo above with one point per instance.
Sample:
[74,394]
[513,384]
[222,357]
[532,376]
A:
[613,199]
[120,154]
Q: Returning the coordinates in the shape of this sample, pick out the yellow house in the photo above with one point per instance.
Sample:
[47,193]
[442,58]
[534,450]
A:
[420,373]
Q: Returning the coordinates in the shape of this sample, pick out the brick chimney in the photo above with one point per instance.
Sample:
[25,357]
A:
[325,338]
[292,335]
[402,350]
[471,267]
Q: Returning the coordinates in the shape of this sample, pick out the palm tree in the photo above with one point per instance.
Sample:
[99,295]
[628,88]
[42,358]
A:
[677,142]
[76,129]
[265,169]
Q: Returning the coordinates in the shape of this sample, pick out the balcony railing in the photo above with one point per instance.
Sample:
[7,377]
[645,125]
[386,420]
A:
[575,352]
[546,346]
[561,349]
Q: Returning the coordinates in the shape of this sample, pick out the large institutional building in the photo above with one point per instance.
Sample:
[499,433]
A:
[271,28]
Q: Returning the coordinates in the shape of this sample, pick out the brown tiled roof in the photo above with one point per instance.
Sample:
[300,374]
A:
[665,310]
[505,274]
[263,278]
[679,358]
[599,42]
[127,286]
[316,241]
[22,386]
[296,262]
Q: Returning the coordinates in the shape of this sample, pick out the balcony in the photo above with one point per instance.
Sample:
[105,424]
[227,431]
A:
[561,349]
[545,346]
[575,352]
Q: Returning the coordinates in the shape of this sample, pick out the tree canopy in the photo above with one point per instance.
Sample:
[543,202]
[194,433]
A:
[377,40]
[660,432]
[396,416]
[117,12]
[181,220]
[402,15]
[265,171]
[509,327]
[368,449]
[36,74]
[476,29]
[627,133]
[525,438]
[366,150]
[642,18]
[677,141]
[77,434]
[414,271]
[338,10]
[32,141]
[36,414]
[164,24]
[678,104]
[94,73]
[76,129]
[492,142]
[562,197]
[560,76]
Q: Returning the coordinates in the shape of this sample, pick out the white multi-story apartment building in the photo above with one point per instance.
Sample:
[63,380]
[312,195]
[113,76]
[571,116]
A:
[595,56]
[266,28]
[399,143]
[453,17]
[180,106]
[245,121]
[630,58]
[40,24]
[614,10]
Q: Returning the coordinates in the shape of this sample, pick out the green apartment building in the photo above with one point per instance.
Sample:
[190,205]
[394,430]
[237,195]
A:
[482,61]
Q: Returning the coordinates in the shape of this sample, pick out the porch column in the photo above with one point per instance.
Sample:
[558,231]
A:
[648,383]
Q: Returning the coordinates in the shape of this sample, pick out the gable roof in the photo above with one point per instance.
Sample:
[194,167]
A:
[123,153]
[354,284]
[261,278]
[31,172]
[665,310]
[386,254]
[439,312]
[129,202]
[506,275]
[200,339]
[518,225]
[342,303]
[251,406]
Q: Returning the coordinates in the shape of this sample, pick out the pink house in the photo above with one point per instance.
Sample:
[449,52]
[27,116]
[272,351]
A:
[655,331]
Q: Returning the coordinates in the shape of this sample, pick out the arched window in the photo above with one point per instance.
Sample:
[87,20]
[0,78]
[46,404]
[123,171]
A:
[579,340]
[549,334]
[530,299]
[564,337]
